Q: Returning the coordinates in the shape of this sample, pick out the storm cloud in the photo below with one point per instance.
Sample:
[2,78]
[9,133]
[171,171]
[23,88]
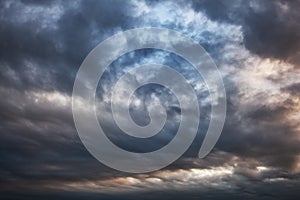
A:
[255,45]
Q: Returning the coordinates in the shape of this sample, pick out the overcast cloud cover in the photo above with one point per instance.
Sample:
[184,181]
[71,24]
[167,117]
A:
[255,44]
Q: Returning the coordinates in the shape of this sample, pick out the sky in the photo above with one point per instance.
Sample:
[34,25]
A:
[256,46]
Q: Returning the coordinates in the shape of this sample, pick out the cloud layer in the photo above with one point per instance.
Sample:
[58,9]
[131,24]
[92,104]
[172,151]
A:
[255,44]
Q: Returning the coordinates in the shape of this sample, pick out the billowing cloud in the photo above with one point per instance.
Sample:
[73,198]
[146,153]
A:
[256,47]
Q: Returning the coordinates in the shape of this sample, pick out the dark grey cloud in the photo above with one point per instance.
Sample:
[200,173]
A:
[55,36]
[265,132]
[270,29]
[293,89]
[42,46]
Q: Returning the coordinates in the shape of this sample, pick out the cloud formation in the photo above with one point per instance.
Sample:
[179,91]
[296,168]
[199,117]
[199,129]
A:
[256,47]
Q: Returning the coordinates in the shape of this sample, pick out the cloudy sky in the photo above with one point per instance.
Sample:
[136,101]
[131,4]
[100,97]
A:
[256,46]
